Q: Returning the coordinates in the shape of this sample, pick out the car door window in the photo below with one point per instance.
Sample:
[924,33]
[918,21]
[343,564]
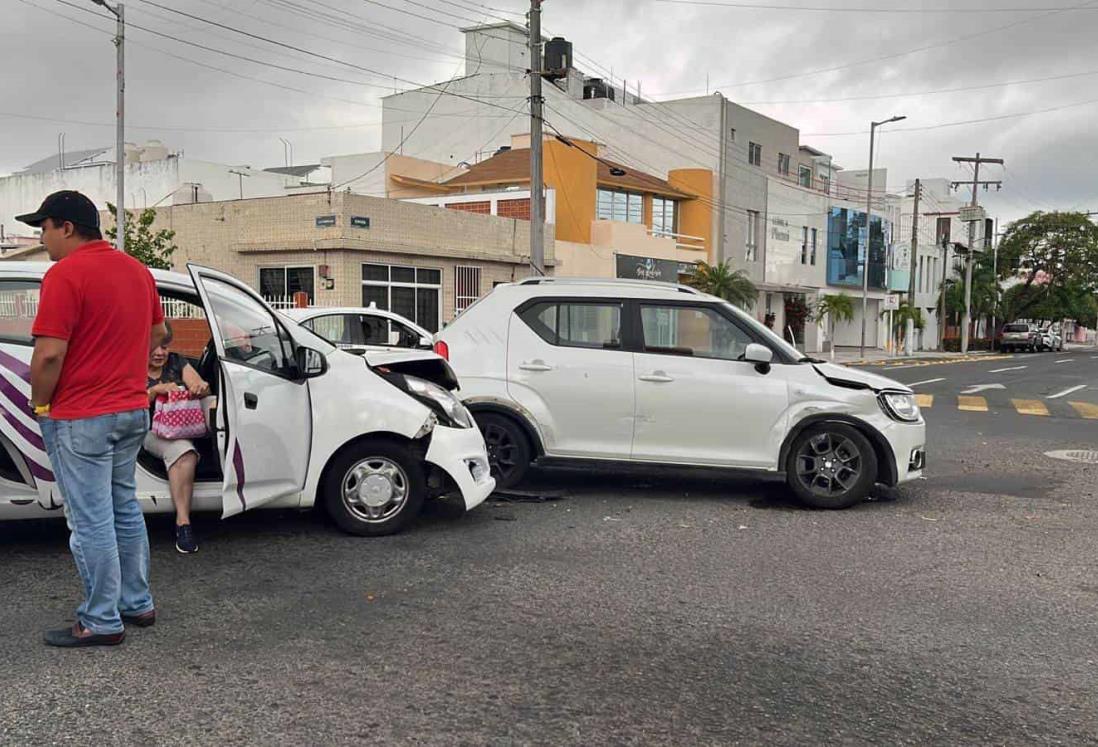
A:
[576,324]
[335,328]
[18,307]
[375,329]
[695,331]
[250,333]
[409,338]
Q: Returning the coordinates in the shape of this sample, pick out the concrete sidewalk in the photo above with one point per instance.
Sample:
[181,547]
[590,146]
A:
[873,357]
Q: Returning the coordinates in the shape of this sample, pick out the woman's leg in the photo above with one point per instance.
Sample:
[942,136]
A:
[181,481]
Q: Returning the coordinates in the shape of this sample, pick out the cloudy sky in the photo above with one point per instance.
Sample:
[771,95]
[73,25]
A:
[825,71]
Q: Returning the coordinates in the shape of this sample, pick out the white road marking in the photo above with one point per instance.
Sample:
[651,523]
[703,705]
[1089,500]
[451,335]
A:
[1066,360]
[928,381]
[1012,368]
[1067,392]
[981,388]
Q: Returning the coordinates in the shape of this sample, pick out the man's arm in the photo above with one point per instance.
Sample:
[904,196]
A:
[46,362]
[159,332]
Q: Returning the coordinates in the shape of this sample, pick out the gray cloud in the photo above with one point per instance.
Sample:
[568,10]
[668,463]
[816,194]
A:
[66,72]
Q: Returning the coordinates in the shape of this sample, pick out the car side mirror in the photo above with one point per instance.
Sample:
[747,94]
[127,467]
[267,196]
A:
[760,355]
[427,343]
[310,363]
[394,338]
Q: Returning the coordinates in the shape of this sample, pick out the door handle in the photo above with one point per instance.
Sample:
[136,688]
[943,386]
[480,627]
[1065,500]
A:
[251,401]
[535,365]
[657,377]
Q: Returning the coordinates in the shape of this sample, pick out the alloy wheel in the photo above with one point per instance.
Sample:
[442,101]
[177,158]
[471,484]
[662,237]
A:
[829,464]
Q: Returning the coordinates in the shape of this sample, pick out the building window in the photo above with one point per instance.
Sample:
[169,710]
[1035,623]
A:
[812,247]
[755,154]
[783,164]
[279,284]
[806,177]
[664,217]
[942,231]
[413,292]
[804,245]
[825,182]
[466,287]
[625,207]
[752,235]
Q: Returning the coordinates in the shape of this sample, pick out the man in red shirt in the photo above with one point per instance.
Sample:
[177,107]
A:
[98,317]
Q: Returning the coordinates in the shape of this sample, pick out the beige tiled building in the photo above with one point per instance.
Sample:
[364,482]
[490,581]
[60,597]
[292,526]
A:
[343,249]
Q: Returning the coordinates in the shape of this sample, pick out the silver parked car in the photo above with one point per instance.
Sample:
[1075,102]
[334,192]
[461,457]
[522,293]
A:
[1019,336]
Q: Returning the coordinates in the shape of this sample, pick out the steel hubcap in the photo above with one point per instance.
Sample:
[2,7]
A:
[375,489]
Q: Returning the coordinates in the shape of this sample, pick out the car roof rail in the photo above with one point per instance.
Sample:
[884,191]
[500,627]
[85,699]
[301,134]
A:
[630,282]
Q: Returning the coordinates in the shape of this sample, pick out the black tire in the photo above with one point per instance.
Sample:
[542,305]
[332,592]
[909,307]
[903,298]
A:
[855,474]
[509,450]
[355,506]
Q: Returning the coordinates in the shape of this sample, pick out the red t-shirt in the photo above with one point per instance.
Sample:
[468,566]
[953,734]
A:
[104,302]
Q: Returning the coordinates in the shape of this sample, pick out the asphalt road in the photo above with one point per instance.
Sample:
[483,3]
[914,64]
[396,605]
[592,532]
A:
[672,608]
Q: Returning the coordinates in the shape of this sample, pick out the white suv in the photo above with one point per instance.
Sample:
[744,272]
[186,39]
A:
[561,370]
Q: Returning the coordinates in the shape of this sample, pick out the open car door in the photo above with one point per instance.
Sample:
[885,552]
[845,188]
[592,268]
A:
[264,401]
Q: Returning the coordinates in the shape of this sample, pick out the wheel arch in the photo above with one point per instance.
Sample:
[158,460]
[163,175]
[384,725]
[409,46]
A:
[886,458]
[537,449]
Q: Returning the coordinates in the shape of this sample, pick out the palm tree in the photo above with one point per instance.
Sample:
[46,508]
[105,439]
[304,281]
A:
[900,317]
[837,308]
[722,281]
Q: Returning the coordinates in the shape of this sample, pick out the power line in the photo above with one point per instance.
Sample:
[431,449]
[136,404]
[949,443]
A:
[895,55]
[961,122]
[862,9]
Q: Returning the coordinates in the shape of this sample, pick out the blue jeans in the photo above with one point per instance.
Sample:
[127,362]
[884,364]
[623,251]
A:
[95,461]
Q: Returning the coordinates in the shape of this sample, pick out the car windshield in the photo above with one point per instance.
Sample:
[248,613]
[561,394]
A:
[768,334]
[1016,328]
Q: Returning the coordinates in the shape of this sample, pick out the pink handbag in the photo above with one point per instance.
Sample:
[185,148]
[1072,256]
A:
[178,416]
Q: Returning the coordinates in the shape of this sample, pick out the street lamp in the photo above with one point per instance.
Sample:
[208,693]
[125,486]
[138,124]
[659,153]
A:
[119,12]
[868,222]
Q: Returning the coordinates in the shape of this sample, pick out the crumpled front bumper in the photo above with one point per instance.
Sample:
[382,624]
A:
[460,453]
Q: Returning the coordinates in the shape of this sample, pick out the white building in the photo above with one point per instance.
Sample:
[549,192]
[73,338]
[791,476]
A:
[155,176]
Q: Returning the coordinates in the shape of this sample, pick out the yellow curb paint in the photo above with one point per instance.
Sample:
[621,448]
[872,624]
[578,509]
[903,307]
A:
[924,401]
[971,404]
[1086,409]
[1029,406]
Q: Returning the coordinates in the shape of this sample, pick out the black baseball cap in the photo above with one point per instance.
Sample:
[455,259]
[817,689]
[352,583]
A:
[66,205]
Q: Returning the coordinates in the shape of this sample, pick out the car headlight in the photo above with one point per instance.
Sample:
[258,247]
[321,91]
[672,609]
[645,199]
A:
[448,407]
[899,406]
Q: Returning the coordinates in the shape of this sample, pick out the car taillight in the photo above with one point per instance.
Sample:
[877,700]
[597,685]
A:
[442,349]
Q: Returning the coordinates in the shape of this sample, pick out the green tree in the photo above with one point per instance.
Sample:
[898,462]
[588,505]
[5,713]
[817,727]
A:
[835,308]
[152,248]
[1056,256]
[900,318]
[722,281]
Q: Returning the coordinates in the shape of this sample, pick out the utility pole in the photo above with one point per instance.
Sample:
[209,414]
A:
[942,295]
[537,192]
[909,332]
[966,319]
[119,12]
[868,226]
[995,273]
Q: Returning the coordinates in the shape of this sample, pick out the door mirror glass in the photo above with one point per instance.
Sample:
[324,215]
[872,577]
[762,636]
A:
[394,337]
[426,343]
[310,363]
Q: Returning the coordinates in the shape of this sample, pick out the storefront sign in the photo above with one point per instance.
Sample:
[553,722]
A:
[359,221]
[647,268]
[325,221]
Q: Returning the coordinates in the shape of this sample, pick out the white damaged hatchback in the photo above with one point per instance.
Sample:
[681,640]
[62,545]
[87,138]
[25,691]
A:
[294,420]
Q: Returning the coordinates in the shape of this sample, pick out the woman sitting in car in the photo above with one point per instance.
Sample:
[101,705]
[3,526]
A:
[168,372]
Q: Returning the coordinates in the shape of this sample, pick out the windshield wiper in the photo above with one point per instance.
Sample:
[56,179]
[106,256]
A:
[807,359]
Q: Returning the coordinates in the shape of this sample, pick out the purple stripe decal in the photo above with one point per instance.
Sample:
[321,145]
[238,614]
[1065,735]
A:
[38,471]
[28,435]
[16,366]
[17,397]
[238,466]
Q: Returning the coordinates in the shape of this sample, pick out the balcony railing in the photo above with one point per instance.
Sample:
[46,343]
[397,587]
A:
[682,240]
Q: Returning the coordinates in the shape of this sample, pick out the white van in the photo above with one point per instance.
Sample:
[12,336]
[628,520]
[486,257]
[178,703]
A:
[297,420]
[560,371]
